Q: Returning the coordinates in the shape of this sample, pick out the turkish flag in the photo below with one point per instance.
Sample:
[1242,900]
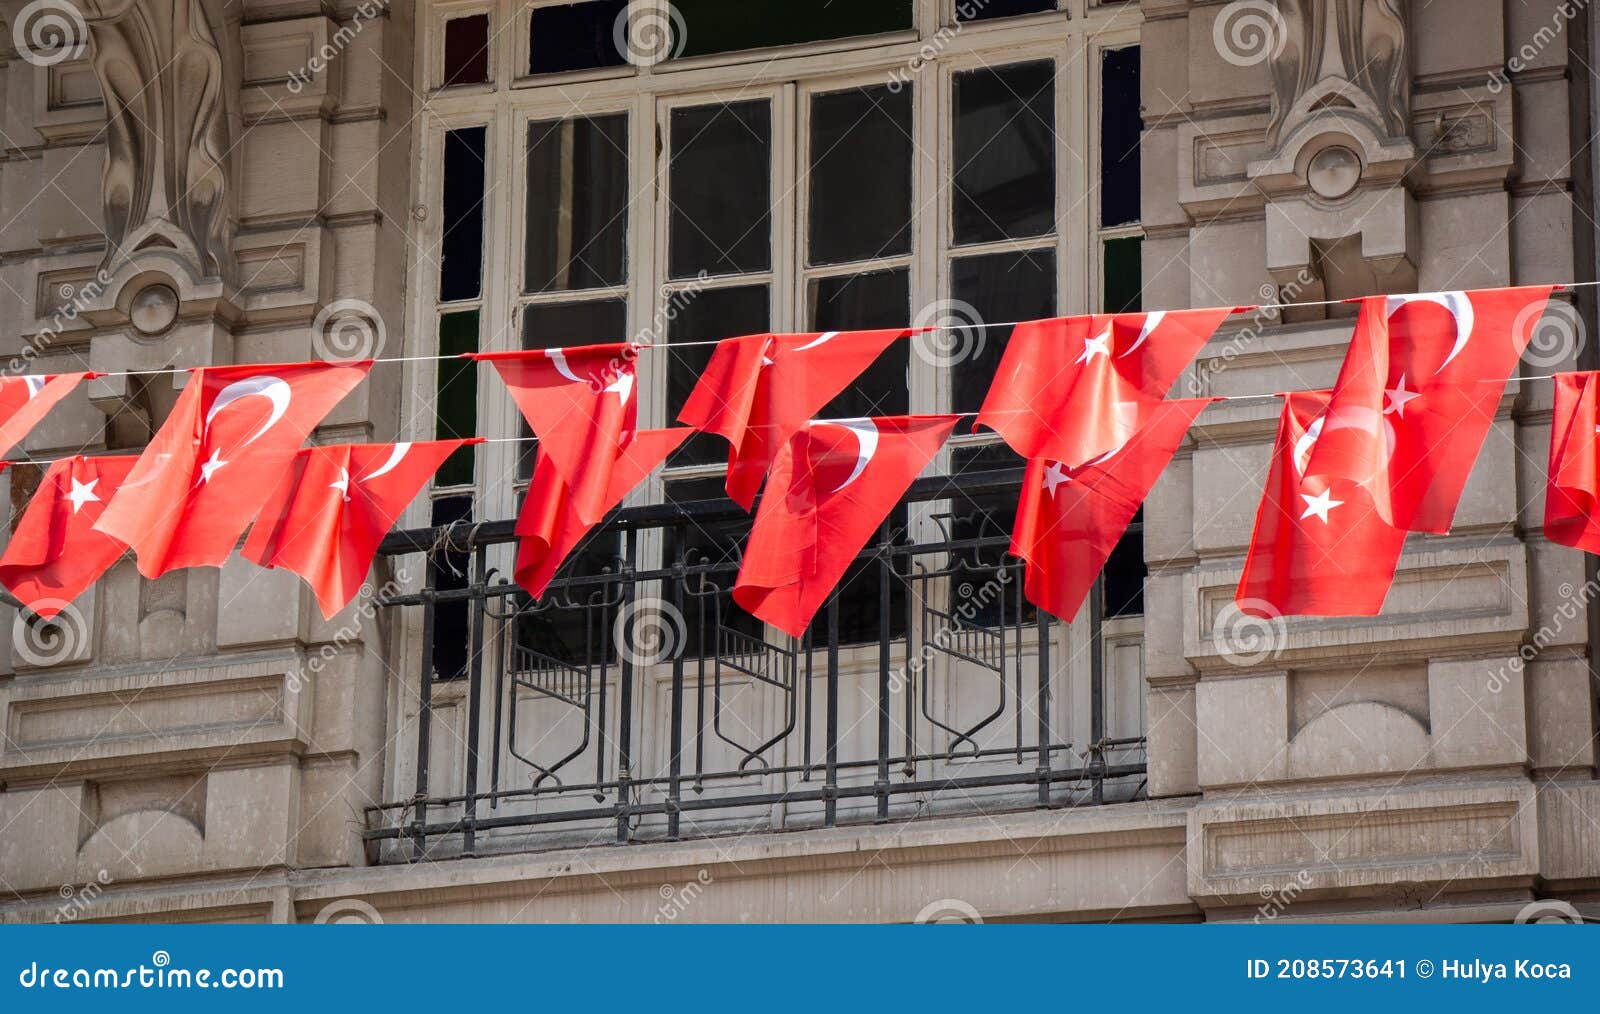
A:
[1320,547]
[580,404]
[1417,394]
[1074,388]
[832,485]
[25,400]
[1572,489]
[218,457]
[759,390]
[335,505]
[1070,519]
[55,552]
[551,529]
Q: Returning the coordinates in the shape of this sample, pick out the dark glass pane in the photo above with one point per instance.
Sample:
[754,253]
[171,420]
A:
[456,407]
[1124,275]
[1001,288]
[558,325]
[712,315]
[571,629]
[1125,572]
[983,10]
[707,598]
[879,299]
[989,517]
[461,248]
[451,571]
[466,50]
[860,202]
[721,189]
[577,204]
[574,37]
[721,26]
[860,613]
[1120,127]
[1005,147]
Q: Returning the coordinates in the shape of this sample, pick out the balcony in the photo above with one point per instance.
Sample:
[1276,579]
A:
[635,703]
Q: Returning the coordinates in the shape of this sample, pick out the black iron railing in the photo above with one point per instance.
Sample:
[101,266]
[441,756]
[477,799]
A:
[636,702]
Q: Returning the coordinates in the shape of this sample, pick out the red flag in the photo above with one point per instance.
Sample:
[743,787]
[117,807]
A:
[1069,520]
[232,434]
[25,400]
[1573,487]
[580,404]
[1319,547]
[1417,394]
[335,505]
[759,390]
[1074,388]
[832,485]
[55,552]
[551,529]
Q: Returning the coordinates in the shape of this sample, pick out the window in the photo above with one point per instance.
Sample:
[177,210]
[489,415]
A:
[728,190]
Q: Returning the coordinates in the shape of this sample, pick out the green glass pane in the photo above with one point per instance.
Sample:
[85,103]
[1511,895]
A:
[456,404]
[1124,275]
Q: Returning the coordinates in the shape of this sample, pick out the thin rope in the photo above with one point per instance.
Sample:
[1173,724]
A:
[671,346]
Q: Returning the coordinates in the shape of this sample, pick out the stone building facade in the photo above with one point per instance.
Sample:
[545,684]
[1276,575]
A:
[188,183]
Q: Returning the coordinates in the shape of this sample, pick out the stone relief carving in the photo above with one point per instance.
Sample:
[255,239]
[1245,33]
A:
[1341,54]
[165,183]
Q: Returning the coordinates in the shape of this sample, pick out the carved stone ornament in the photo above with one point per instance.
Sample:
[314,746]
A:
[1341,55]
[165,183]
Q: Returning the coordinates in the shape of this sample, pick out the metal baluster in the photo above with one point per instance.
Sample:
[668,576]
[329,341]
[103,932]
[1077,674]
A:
[1097,672]
[475,698]
[419,840]
[1044,708]
[881,786]
[830,783]
[625,708]
[675,774]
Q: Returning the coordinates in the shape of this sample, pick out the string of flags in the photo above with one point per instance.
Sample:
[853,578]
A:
[1385,451]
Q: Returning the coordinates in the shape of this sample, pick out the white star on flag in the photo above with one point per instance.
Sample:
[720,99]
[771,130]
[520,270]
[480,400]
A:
[209,469]
[1319,505]
[1054,476]
[1100,345]
[1398,397]
[82,493]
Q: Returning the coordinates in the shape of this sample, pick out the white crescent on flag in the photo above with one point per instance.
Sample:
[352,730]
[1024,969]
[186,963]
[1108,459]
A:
[1307,443]
[866,432]
[1151,322]
[1460,308]
[820,340]
[274,389]
[396,454]
[559,358]
[35,384]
